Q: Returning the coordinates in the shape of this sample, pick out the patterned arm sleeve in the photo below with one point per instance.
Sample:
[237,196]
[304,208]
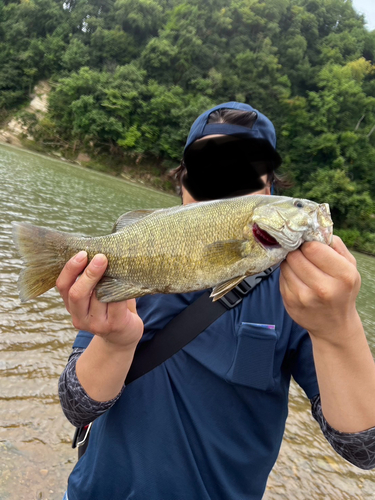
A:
[76,404]
[358,448]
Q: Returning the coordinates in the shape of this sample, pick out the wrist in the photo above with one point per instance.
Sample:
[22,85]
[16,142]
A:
[120,345]
[340,333]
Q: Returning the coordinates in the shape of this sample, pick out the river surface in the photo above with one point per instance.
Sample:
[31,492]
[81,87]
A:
[35,341]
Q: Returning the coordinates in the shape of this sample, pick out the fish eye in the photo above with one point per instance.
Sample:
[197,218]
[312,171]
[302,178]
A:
[298,204]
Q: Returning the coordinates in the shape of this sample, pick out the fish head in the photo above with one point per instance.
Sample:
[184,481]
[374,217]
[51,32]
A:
[288,222]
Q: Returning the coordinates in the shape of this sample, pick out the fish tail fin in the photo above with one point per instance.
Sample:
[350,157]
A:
[44,252]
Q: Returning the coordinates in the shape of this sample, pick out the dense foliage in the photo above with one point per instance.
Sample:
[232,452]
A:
[130,76]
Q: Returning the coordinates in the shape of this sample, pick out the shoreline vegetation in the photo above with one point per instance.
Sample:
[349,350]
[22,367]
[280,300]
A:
[15,131]
[115,88]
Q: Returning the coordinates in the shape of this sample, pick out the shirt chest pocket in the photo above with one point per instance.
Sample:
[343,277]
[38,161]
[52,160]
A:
[253,361]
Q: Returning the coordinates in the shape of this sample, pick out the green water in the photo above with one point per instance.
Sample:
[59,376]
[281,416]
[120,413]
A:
[35,341]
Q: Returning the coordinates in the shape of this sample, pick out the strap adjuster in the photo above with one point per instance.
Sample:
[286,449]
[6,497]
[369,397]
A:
[235,296]
[230,299]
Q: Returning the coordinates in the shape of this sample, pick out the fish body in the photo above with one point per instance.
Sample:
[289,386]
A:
[213,244]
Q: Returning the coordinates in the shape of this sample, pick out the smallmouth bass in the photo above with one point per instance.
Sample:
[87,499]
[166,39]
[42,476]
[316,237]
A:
[211,244]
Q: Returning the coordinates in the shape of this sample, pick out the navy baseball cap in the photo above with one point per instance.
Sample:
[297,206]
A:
[263,128]
[230,165]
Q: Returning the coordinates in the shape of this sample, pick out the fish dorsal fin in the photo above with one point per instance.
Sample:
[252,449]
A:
[129,218]
[220,290]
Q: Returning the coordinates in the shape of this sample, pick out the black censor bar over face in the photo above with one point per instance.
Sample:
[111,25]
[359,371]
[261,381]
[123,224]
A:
[227,166]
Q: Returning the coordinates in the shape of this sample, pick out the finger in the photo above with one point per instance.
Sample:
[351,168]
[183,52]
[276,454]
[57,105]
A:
[122,316]
[68,276]
[339,246]
[327,258]
[80,293]
[132,305]
[294,293]
[97,315]
[118,314]
[290,282]
[303,269]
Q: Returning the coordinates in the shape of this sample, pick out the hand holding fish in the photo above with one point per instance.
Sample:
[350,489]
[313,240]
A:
[319,285]
[116,323]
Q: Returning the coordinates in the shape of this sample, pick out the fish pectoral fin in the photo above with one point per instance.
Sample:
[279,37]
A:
[115,290]
[129,218]
[224,252]
[220,290]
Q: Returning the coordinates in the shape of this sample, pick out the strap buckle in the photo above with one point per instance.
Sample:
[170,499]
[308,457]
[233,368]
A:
[230,299]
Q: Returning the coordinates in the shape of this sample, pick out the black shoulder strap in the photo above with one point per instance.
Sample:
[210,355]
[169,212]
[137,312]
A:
[187,325]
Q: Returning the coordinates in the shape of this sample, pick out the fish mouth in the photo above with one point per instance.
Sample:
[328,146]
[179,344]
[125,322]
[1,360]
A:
[264,238]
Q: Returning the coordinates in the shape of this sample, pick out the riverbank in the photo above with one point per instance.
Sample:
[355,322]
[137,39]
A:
[121,178]
[148,175]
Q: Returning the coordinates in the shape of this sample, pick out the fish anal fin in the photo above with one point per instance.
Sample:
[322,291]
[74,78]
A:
[115,290]
[129,218]
[220,290]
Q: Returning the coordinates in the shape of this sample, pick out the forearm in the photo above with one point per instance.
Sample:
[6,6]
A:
[346,376]
[103,367]
[76,404]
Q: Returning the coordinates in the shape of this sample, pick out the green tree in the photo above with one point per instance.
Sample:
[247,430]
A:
[350,206]
[141,18]
[76,55]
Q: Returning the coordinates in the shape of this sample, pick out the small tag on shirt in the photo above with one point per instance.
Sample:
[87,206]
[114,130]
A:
[261,325]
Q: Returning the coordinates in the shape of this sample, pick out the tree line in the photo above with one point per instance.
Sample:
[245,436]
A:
[130,76]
